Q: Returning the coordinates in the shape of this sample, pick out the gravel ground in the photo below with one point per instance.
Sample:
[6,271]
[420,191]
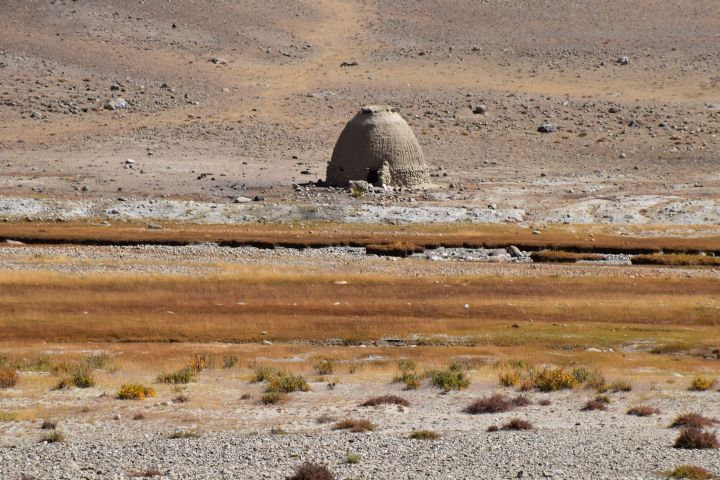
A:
[577,454]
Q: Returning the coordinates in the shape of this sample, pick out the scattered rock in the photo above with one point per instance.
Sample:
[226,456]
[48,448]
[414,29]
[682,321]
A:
[349,63]
[480,110]
[547,128]
[623,60]
[116,104]
[242,200]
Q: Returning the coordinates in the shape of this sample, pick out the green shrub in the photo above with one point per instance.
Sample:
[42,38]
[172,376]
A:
[135,391]
[353,458]
[424,435]
[96,361]
[287,383]
[453,377]
[183,434]
[8,377]
[325,366]
[201,361]
[690,472]
[264,373]
[80,377]
[552,379]
[181,376]
[56,436]
[620,386]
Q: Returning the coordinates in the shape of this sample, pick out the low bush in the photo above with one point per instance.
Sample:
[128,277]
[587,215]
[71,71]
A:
[696,438]
[312,471]
[495,403]
[454,377]
[385,400]
[264,373]
[139,416]
[509,379]
[354,425]
[230,361]
[353,458]
[407,375]
[620,386]
[325,418]
[183,434]
[181,376]
[201,361]
[424,435]
[55,436]
[559,256]
[676,259]
[701,384]
[521,401]
[693,420]
[325,366]
[517,424]
[135,391]
[96,361]
[690,472]
[545,402]
[272,398]
[552,379]
[287,383]
[600,402]
[643,411]
[182,398]
[79,376]
[8,377]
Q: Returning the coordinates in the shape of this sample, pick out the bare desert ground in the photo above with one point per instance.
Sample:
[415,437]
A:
[182,297]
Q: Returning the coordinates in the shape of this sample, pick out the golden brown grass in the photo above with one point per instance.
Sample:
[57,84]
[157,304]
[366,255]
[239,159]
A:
[677,260]
[561,237]
[237,308]
[560,256]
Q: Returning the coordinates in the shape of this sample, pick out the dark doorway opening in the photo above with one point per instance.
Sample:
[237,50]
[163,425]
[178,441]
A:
[373,176]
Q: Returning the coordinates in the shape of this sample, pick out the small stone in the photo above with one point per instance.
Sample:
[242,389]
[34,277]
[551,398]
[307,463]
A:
[623,60]
[117,416]
[218,61]
[36,115]
[116,104]
[242,200]
[480,110]
[547,128]
[130,161]
[349,63]
[266,342]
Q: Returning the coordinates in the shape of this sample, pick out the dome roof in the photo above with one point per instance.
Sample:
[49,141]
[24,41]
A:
[378,146]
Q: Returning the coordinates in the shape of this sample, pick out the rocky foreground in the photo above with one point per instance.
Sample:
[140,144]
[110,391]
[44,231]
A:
[570,453]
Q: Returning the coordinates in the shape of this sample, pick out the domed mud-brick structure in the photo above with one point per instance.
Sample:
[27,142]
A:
[379,147]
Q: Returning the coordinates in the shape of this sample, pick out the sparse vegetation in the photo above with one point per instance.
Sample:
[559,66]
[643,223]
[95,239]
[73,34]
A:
[312,471]
[272,398]
[517,424]
[407,375]
[693,420]
[454,377]
[230,361]
[676,260]
[135,391]
[325,366]
[287,383]
[354,425]
[495,403]
[560,256]
[8,377]
[182,398]
[353,458]
[701,384]
[690,472]
[509,379]
[385,400]
[96,361]
[620,386]
[424,435]
[643,411]
[600,402]
[78,376]
[325,418]
[552,379]
[545,402]
[56,436]
[177,377]
[180,434]
[696,438]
